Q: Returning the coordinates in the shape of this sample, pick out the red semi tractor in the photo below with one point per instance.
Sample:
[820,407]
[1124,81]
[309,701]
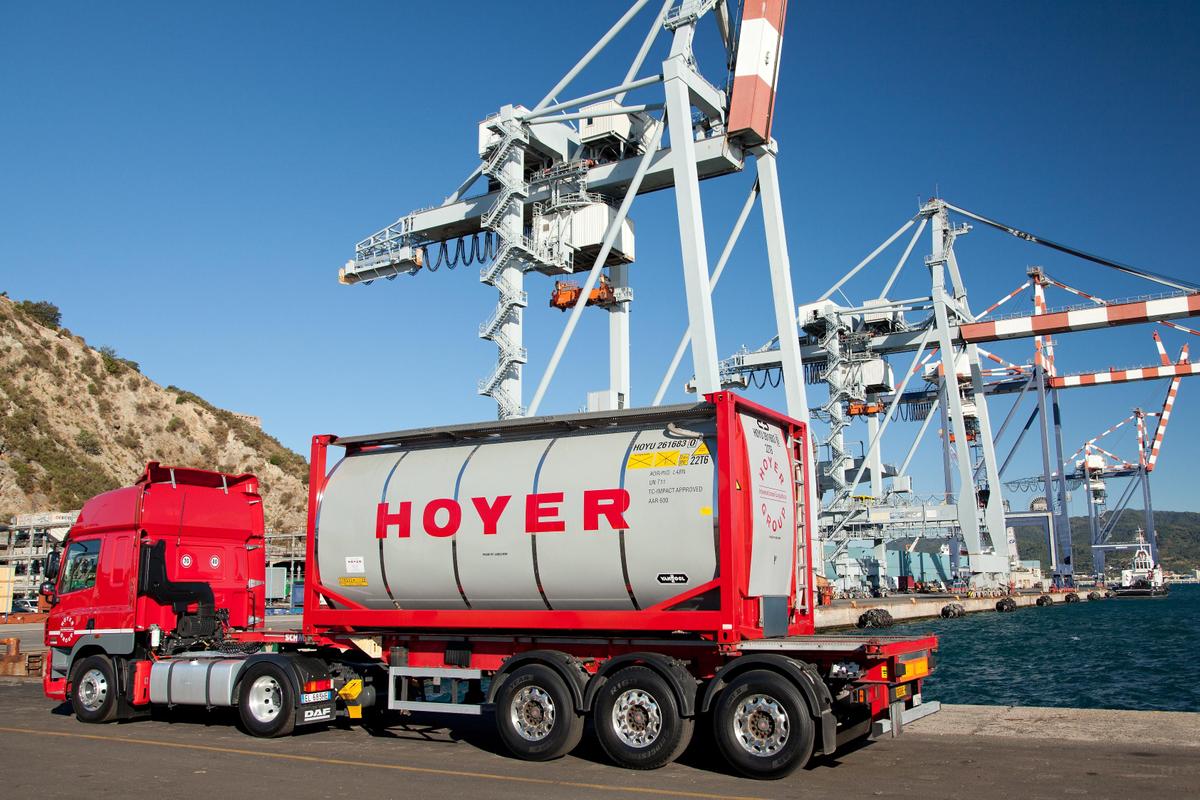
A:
[646,568]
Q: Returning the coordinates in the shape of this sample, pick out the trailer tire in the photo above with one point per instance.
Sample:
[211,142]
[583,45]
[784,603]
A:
[763,726]
[94,690]
[267,701]
[529,695]
[637,720]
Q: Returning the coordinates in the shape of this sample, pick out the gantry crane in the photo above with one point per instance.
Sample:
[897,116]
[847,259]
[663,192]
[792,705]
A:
[561,177]
[846,347]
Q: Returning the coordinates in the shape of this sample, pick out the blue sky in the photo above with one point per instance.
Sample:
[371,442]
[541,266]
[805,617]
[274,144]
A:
[184,181]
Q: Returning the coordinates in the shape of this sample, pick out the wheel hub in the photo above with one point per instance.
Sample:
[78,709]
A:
[266,699]
[93,689]
[761,725]
[532,713]
[637,718]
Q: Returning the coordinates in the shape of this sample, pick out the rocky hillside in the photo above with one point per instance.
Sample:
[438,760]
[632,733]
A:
[76,421]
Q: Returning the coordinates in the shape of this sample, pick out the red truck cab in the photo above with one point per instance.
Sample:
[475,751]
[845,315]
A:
[177,555]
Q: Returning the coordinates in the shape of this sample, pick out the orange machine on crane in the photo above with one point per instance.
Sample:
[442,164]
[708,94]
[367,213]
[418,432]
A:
[566,294]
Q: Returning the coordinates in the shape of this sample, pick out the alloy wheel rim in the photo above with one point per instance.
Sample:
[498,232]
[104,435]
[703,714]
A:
[93,689]
[637,718]
[532,713]
[266,698]
[761,725]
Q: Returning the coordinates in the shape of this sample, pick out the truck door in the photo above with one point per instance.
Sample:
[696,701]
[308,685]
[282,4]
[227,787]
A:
[75,612]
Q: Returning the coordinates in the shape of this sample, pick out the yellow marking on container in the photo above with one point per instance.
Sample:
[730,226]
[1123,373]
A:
[706,511]
[640,461]
[352,581]
[702,450]
[667,458]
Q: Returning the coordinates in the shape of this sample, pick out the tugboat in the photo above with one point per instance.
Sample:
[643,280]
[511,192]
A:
[1144,578]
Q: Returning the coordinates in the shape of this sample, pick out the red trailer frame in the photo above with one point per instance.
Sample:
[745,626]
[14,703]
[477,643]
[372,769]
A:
[735,620]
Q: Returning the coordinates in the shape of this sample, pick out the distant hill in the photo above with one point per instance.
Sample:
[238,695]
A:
[1178,541]
[76,421]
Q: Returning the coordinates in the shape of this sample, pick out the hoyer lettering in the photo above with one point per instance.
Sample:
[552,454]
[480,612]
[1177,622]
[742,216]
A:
[443,516]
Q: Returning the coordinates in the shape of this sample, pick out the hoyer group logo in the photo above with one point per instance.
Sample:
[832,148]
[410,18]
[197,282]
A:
[544,513]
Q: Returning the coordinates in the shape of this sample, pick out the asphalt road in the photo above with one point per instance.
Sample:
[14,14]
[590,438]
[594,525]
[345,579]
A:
[45,752]
[30,635]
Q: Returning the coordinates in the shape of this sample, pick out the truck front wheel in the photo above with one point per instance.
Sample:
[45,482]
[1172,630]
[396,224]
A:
[94,690]
[638,722]
[535,714]
[762,725]
[267,702]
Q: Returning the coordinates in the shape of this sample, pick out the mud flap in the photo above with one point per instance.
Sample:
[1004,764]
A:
[312,714]
[828,732]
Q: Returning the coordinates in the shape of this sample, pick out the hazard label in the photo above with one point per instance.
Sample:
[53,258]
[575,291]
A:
[667,458]
[654,460]
[352,580]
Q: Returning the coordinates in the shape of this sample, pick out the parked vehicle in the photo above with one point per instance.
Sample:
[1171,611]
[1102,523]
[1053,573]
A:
[640,568]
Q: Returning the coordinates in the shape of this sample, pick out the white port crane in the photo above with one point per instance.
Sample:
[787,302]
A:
[846,347]
[561,177]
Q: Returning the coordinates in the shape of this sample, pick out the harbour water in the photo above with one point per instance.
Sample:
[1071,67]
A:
[1124,654]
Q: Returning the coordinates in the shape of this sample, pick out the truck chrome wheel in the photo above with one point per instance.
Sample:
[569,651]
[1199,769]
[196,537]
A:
[535,713]
[637,718]
[761,725]
[532,711]
[93,690]
[265,699]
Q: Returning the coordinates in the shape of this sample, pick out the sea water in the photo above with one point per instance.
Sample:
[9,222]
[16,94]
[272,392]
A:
[1129,653]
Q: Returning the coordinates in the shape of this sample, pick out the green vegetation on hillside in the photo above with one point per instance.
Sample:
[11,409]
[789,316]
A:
[42,312]
[276,454]
[1178,541]
[76,422]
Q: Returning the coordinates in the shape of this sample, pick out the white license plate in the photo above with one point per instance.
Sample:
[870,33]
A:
[316,697]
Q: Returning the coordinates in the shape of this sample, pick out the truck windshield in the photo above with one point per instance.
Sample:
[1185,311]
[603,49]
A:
[79,567]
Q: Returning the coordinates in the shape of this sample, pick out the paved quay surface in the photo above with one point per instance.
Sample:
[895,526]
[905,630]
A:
[903,607]
[45,752]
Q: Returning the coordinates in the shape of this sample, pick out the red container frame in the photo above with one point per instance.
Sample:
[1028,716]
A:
[734,620]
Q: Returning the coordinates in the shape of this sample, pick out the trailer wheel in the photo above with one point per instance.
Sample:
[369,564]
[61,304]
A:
[637,720]
[762,725]
[94,690]
[535,714]
[266,701]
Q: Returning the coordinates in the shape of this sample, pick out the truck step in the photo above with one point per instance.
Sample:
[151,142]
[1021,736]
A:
[398,696]
[884,727]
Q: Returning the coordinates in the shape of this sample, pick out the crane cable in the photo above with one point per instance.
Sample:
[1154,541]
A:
[464,253]
[1062,248]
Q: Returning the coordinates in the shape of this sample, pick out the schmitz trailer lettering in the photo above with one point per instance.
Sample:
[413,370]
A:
[639,568]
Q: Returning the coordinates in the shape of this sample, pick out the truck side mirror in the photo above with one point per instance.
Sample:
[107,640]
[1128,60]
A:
[46,590]
[52,564]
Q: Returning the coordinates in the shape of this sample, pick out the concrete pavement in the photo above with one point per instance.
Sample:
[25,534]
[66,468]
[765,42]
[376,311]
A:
[45,751]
